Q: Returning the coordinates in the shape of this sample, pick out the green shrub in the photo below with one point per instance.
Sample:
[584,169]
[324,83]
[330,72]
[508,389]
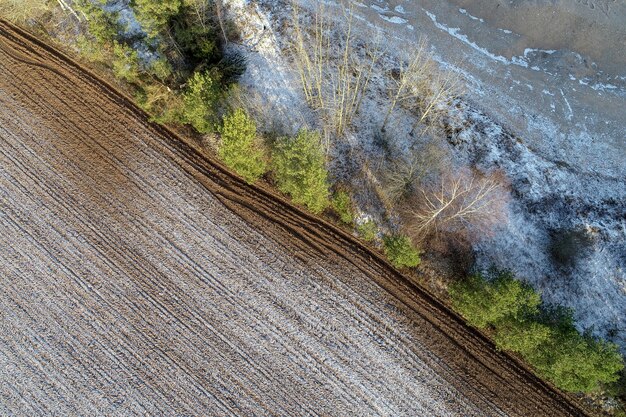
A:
[368,230]
[91,50]
[239,149]
[524,336]
[154,15]
[163,105]
[577,363]
[125,62]
[103,30]
[400,251]
[102,25]
[483,303]
[198,40]
[300,169]
[160,68]
[201,100]
[342,204]
[545,337]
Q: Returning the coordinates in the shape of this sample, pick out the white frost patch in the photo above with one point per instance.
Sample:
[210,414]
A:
[379,9]
[399,9]
[508,32]
[393,19]
[365,21]
[455,32]
[546,92]
[545,51]
[519,61]
[571,113]
[603,87]
[463,11]
[516,60]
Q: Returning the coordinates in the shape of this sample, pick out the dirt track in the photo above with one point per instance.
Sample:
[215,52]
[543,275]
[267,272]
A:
[139,278]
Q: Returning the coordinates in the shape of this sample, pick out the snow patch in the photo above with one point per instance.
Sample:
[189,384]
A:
[393,19]
[463,11]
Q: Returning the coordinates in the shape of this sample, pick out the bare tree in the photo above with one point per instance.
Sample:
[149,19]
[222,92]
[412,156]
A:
[435,96]
[465,204]
[401,178]
[333,75]
[412,79]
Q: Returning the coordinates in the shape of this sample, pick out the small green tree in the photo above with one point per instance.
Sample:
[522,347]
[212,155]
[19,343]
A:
[160,68]
[578,363]
[125,62]
[195,35]
[101,24]
[154,15]
[545,336]
[201,99]
[524,336]
[163,105]
[239,149]
[368,230]
[483,303]
[342,204]
[299,165]
[400,251]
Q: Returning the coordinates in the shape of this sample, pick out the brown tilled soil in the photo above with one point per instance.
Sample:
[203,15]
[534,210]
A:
[140,278]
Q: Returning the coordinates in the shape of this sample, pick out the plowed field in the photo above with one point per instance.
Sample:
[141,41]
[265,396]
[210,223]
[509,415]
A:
[138,277]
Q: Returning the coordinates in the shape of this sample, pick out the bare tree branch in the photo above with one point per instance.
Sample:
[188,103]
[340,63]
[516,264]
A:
[467,204]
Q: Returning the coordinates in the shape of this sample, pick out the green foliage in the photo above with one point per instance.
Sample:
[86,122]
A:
[103,31]
[155,15]
[232,66]
[102,25]
[523,336]
[545,337]
[90,50]
[400,251]
[300,168]
[342,205]
[483,303]
[573,361]
[201,100]
[163,105]
[368,230]
[161,69]
[197,39]
[125,62]
[239,149]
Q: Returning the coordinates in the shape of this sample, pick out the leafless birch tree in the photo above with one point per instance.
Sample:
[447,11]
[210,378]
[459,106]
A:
[467,204]
[435,96]
[412,79]
[333,75]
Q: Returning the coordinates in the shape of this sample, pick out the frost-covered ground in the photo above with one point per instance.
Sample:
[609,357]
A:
[545,102]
